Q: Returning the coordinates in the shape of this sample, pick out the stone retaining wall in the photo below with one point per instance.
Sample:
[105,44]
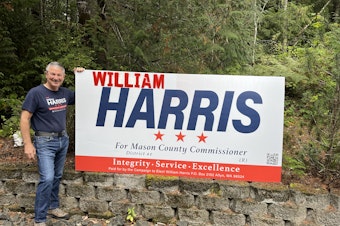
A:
[174,200]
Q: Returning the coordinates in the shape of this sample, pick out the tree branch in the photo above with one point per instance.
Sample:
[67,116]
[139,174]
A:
[310,23]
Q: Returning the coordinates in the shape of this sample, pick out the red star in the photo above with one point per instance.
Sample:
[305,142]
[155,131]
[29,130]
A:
[159,135]
[202,138]
[180,136]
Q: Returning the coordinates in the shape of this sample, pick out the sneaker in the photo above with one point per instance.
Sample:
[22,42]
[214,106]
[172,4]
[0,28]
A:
[58,213]
[40,224]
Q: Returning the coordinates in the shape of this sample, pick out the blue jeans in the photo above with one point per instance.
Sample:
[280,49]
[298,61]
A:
[51,155]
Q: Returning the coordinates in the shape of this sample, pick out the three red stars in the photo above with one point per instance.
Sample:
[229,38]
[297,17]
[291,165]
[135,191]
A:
[180,136]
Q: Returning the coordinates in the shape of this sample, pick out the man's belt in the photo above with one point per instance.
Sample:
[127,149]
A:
[50,134]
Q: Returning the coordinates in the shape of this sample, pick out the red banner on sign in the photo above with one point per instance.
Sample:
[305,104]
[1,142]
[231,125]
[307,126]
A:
[206,170]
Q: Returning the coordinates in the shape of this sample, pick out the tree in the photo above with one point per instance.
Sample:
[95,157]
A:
[294,39]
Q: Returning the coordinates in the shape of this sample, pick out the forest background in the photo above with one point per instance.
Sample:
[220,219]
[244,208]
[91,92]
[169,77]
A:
[299,40]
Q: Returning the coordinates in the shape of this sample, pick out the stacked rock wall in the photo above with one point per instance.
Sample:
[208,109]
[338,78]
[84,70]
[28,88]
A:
[177,201]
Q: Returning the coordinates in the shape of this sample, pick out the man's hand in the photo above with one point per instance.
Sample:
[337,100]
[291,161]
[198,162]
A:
[30,151]
[26,136]
[78,69]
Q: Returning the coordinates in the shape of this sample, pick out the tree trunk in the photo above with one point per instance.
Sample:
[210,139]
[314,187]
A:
[83,11]
[255,33]
[285,25]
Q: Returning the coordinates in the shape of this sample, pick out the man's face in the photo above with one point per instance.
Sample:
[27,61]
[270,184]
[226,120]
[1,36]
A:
[54,77]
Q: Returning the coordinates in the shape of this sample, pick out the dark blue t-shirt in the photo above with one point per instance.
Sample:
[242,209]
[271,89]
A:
[48,108]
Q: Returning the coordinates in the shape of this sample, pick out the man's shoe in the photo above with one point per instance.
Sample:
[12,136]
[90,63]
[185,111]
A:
[58,213]
[39,224]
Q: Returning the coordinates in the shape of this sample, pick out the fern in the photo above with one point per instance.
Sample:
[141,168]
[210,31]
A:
[131,215]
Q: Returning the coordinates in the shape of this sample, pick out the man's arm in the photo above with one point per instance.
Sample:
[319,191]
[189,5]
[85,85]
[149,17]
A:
[25,125]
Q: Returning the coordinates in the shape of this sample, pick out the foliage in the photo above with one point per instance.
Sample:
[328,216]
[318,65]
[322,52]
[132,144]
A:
[131,215]
[322,109]
[11,122]
[294,165]
[295,39]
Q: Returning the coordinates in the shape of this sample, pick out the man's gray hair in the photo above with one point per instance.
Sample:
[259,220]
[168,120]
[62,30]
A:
[57,64]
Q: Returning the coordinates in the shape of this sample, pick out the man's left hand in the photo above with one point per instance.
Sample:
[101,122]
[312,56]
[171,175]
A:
[78,69]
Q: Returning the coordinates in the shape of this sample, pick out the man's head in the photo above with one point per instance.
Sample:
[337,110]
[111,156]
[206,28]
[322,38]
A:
[55,75]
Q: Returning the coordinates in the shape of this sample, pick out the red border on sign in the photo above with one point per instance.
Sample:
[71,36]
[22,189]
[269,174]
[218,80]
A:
[206,170]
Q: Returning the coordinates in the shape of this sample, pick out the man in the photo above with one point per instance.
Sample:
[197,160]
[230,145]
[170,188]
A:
[44,109]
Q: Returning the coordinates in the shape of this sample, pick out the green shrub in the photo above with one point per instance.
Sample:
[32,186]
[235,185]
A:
[10,110]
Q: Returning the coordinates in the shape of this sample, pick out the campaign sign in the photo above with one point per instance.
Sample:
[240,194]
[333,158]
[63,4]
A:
[189,125]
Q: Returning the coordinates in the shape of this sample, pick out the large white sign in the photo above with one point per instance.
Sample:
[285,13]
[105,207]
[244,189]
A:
[205,126]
